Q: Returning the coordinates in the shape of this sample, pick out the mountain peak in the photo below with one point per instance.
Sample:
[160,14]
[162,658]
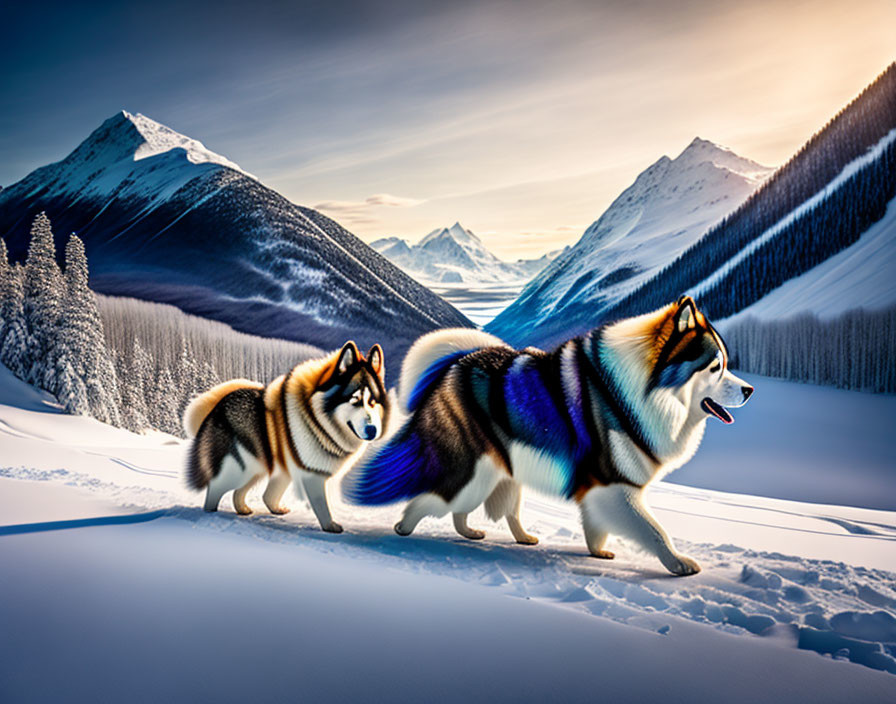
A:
[702,150]
[133,136]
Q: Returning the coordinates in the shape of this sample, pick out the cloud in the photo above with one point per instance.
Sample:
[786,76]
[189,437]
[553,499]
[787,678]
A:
[362,212]
[376,200]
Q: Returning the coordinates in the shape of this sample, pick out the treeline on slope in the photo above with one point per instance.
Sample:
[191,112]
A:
[165,331]
[852,351]
[137,365]
[834,224]
[849,135]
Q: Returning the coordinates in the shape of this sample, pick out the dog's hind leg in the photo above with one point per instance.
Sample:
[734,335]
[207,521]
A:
[418,508]
[621,509]
[595,534]
[239,496]
[513,516]
[229,476]
[274,491]
[213,496]
[460,525]
[504,502]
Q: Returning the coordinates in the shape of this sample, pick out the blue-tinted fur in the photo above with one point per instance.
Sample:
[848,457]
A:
[431,376]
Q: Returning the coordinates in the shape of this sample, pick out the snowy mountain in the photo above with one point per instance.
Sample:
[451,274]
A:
[454,255]
[165,219]
[799,278]
[668,207]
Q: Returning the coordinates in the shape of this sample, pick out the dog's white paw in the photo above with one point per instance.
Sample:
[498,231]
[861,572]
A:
[334,527]
[527,539]
[604,554]
[279,510]
[683,566]
[474,534]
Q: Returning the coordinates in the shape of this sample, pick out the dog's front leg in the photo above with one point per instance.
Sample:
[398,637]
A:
[315,486]
[621,508]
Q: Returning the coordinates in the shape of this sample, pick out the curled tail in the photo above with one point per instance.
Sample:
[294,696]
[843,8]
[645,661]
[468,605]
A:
[390,473]
[432,355]
[416,459]
[199,408]
[198,473]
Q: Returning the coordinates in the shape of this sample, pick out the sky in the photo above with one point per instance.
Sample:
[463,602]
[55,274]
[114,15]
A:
[522,120]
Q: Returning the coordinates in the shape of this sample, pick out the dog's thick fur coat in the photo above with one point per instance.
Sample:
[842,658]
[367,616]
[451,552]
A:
[302,427]
[596,421]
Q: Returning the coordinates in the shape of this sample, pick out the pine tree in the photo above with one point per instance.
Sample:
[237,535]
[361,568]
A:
[5,271]
[82,340]
[163,409]
[186,377]
[132,370]
[43,291]
[13,333]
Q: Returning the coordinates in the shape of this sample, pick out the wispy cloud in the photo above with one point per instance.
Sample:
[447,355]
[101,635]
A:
[363,212]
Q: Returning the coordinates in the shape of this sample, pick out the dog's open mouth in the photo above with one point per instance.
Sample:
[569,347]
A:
[716,410]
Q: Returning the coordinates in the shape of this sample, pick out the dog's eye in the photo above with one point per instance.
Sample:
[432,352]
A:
[715,367]
[371,402]
[355,401]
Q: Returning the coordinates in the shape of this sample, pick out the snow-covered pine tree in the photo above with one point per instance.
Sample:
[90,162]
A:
[13,333]
[82,340]
[163,401]
[186,377]
[68,386]
[4,272]
[43,291]
[131,386]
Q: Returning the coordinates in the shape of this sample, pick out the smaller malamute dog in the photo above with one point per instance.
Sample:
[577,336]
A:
[596,420]
[302,427]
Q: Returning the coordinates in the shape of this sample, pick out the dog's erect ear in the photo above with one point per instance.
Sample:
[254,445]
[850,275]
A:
[686,316]
[347,357]
[375,357]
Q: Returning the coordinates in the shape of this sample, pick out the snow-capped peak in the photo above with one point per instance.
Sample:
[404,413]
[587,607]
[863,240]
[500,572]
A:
[701,151]
[133,137]
[157,139]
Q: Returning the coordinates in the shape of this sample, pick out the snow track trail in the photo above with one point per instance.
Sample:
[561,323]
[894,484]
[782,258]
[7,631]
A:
[805,577]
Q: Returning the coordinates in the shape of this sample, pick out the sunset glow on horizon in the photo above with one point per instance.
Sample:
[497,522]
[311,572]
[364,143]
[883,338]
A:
[522,121]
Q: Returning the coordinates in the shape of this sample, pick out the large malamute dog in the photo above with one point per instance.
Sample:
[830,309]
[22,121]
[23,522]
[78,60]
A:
[596,420]
[303,426]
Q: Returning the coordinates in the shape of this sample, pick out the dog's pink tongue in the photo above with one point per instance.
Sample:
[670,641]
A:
[718,411]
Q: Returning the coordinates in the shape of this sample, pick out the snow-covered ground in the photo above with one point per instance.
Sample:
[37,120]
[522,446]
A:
[115,581]
[860,276]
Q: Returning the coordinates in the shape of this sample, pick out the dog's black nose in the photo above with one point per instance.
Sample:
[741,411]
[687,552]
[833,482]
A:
[369,432]
[748,391]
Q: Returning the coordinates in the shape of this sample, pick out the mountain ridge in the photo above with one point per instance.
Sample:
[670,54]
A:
[669,205]
[176,223]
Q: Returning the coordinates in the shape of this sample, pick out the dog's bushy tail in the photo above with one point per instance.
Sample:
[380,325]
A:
[199,408]
[198,473]
[398,470]
[432,355]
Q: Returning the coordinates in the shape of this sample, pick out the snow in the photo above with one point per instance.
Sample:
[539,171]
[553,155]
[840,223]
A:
[160,139]
[848,172]
[456,264]
[109,559]
[860,276]
[456,255]
[670,206]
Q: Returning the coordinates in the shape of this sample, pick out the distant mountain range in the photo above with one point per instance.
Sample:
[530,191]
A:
[454,255]
[670,205]
[165,219]
[799,276]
